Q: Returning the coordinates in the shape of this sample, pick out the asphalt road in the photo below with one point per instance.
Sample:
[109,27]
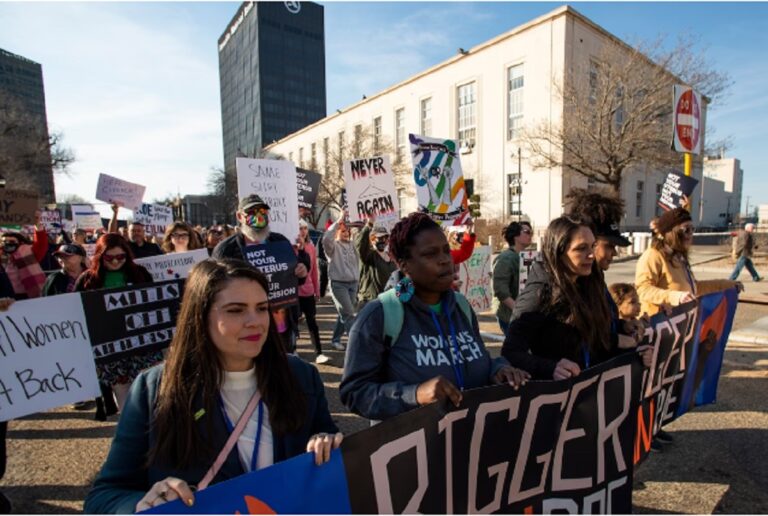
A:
[717,464]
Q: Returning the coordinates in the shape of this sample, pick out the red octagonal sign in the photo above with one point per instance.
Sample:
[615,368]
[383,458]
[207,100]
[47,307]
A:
[687,129]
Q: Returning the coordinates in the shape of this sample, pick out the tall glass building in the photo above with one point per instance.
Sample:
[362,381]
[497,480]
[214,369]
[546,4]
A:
[272,75]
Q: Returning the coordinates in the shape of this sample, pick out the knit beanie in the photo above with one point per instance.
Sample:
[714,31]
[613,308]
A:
[669,219]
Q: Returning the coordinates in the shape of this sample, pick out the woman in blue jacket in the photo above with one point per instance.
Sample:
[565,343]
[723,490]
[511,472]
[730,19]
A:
[438,351]
[225,364]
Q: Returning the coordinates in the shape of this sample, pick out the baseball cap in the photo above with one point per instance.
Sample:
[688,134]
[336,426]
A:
[252,201]
[610,231]
[379,231]
[69,250]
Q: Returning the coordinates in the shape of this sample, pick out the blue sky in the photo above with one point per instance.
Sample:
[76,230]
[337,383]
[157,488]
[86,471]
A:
[134,86]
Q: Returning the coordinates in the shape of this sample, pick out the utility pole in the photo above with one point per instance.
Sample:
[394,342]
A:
[746,211]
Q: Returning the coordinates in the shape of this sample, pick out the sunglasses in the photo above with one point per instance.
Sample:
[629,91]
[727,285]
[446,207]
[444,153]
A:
[257,211]
[384,238]
[114,257]
[215,232]
[527,231]
[179,235]
[688,230]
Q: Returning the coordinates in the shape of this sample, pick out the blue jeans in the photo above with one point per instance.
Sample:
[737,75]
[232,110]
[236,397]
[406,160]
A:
[503,325]
[344,294]
[743,260]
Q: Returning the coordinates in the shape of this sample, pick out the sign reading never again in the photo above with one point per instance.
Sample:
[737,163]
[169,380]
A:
[132,320]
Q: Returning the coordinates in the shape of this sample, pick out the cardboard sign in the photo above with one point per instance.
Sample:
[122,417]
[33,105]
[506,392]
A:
[439,180]
[45,356]
[17,208]
[154,217]
[173,265]
[475,275]
[51,219]
[85,217]
[675,186]
[275,182]
[278,262]
[527,259]
[370,188]
[307,187]
[132,320]
[118,191]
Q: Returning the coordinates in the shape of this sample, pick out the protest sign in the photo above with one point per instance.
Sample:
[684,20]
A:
[275,182]
[439,180]
[132,320]
[90,250]
[475,275]
[527,259]
[278,263]
[295,486]
[154,217]
[85,217]
[45,356]
[675,186]
[51,219]
[307,187]
[17,208]
[370,187]
[173,265]
[118,191]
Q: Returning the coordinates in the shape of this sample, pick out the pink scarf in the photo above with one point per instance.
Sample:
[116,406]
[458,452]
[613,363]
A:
[25,273]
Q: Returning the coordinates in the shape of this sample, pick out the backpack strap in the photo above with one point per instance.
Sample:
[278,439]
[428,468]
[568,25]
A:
[393,316]
[464,305]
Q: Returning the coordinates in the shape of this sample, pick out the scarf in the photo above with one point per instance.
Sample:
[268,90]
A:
[25,273]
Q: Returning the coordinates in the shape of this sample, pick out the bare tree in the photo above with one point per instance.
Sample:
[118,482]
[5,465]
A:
[617,110]
[221,189]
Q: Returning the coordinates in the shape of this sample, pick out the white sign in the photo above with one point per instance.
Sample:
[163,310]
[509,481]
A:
[51,219]
[475,275]
[85,217]
[527,259]
[90,250]
[370,186]
[154,217]
[439,180]
[275,182]
[45,356]
[687,123]
[118,191]
[173,265]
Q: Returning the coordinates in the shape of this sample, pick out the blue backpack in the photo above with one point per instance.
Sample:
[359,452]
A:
[394,314]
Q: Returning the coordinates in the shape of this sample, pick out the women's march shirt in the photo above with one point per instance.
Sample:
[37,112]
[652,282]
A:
[237,388]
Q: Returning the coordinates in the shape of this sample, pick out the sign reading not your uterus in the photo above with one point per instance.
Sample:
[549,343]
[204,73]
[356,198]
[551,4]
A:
[118,191]
[275,182]
[371,190]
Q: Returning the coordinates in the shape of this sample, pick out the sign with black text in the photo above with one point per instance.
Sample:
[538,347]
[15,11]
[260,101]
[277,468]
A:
[278,263]
[132,320]
[172,265]
[674,188]
[154,217]
[17,208]
[370,187]
[307,186]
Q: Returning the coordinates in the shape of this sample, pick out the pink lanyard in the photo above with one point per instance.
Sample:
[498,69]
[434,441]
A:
[224,453]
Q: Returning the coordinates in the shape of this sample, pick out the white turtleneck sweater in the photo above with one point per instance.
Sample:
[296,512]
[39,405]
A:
[236,391]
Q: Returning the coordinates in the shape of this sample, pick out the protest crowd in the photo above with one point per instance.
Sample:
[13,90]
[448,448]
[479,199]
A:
[226,393]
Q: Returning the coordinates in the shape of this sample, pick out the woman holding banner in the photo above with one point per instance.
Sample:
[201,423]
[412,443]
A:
[227,401]
[390,370]
[180,237]
[561,322]
[663,276]
[112,266]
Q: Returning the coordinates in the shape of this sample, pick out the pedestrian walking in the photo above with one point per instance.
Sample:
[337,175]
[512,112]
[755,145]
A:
[745,247]
[309,292]
[376,265]
[343,273]
[506,270]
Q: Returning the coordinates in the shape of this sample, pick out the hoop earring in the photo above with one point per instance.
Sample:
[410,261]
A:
[404,289]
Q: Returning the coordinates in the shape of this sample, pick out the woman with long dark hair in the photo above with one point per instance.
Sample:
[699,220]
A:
[112,266]
[436,353]
[180,237]
[561,322]
[227,401]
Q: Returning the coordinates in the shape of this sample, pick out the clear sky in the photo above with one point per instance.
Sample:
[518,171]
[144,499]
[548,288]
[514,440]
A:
[135,88]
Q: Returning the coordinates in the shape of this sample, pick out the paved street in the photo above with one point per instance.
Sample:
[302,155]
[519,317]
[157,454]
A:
[718,462]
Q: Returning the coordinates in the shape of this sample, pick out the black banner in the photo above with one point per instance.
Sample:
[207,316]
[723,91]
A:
[675,186]
[278,263]
[131,320]
[563,446]
[308,184]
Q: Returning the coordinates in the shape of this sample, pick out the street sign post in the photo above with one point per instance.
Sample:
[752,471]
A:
[687,125]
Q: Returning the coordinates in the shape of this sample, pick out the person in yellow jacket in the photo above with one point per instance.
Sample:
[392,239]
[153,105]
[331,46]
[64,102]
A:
[663,276]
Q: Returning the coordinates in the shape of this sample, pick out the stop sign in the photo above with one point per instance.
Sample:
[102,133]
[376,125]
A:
[687,121]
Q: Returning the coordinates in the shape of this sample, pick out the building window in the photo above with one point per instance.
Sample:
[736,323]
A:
[467,104]
[290,156]
[514,194]
[594,68]
[639,199]
[326,154]
[400,134]
[377,134]
[358,141]
[515,82]
[426,117]
[301,157]
[341,152]
[313,156]
[657,210]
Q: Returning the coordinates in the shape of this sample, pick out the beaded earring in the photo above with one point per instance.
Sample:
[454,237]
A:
[404,289]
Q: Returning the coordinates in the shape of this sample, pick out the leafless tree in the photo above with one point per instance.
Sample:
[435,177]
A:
[618,110]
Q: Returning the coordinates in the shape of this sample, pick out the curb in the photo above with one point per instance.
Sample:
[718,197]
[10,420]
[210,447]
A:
[716,258]
[495,337]
[748,339]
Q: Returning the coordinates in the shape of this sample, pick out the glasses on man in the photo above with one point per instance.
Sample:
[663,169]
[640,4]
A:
[114,257]
[179,235]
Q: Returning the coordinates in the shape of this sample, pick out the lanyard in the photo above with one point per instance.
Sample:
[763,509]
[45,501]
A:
[453,342]
[231,428]
[585,353]
[690,277]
